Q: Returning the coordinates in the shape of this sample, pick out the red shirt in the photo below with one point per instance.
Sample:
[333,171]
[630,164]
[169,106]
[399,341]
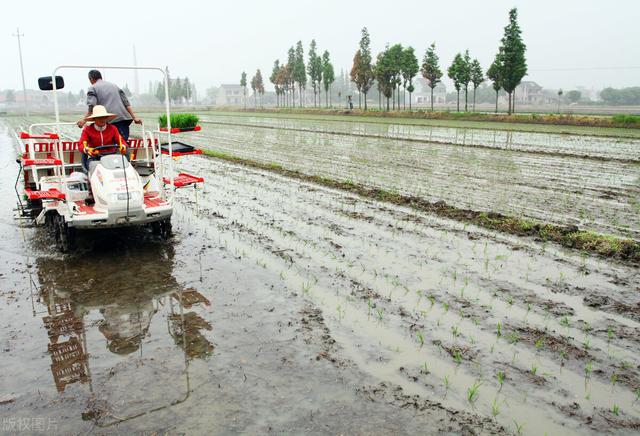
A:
[96,138]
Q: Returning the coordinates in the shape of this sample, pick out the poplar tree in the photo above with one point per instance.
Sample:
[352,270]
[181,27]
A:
[299,71]
[514,63]
[431,70]
[328,76]
[493,73]
[274,79]
[409,69]
[289,74]
[243,83]
[314,68]
[259,85]
[464,72]
[454,74]
[477,77]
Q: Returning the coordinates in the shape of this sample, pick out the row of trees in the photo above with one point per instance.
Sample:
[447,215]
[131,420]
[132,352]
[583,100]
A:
[295,73]
[396,67]
[180,90]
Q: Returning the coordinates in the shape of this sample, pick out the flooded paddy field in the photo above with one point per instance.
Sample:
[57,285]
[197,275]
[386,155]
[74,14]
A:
[588,181]
[284,306]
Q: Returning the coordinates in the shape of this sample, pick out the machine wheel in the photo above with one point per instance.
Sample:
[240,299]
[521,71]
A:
[65,235]
[162,228]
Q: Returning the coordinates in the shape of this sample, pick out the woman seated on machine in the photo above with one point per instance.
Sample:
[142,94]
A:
[100,138]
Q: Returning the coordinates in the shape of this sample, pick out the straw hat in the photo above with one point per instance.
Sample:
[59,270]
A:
[100,111]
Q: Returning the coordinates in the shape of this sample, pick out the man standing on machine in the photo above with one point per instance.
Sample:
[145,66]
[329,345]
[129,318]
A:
[113,99]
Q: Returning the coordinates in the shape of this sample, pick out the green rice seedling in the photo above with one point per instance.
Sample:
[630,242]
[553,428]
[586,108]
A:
[625,365]
[370,305]
[500,376]
[587,327]
[431,299]
[637,392]
[610,333]
[519,427]
[380,313]
[446,382]
[420,336]
[455,331]
[588,369]
[446,307]
[495,409]
[586,344]
[614,379]
[539,343]
[472,392]
[534,369]
[499,330]
[179,121]
[615,409]
[457,357]
[425,368]
[510,300]
[513,337]
[341,311]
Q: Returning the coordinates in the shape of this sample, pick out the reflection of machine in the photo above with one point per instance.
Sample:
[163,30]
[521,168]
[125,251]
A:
[126,194]
[120,304]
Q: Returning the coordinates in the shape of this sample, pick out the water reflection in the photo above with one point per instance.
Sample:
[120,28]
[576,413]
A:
[101,304]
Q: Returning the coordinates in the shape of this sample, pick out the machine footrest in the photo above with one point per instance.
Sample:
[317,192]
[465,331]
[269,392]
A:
[52,194]
[183,179]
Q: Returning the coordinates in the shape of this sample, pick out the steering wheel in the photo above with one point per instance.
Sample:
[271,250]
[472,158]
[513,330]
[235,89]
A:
[104,147]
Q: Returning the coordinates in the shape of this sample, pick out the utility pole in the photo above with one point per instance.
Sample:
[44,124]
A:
[136,84]
[24,87]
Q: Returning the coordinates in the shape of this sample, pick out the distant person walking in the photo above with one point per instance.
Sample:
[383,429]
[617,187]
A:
[113,99]
[350,103]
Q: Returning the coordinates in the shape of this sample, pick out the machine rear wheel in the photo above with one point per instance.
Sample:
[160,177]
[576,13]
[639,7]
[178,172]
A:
[162,228]
[65,236]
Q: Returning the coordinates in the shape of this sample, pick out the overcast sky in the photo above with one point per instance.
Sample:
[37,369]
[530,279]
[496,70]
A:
[569,42]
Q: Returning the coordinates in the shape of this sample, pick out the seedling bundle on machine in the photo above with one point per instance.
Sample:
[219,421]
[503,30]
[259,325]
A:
[138,190]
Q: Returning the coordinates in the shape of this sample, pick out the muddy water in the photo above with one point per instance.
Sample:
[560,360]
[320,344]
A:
[344,315]
[188,335]
[537,176]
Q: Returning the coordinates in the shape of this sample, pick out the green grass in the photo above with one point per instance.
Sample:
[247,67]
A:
[179,121]
[627,120]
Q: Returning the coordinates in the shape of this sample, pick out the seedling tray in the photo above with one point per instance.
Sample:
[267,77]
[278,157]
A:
[179,148]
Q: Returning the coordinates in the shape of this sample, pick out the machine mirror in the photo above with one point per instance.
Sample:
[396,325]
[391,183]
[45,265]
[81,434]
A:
[46,84]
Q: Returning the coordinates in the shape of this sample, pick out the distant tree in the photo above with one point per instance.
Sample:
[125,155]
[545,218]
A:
[574,96]
[10,96]
[328,76]
[187,90]
[559,98]
[465,76]
[290,75]
[454,73]
[365,72]
[274,80]
[493,73]
[477,77]
[394,62]
[514,63]
[314,68]
[254,88]
[243,83]
[259,85]
[385,74]
[355,73]
[126,90]
[409,69]
[431,70]
[299,71]
[159,92]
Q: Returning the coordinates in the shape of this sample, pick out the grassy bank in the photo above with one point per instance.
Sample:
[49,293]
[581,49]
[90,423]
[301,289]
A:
[608,246]
[616,126]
